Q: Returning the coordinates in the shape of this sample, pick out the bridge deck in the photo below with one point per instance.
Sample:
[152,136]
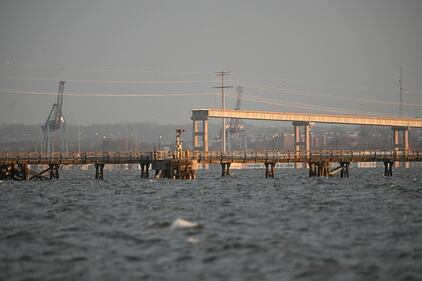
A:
[204,114]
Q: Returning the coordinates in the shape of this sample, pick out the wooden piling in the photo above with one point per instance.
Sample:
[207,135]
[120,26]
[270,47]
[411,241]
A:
[269,170]
[225,169]
[99,171]
[388,168]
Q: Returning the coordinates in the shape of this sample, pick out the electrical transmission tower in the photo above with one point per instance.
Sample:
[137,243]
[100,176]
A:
[236,129]
[221,74]
[55,123]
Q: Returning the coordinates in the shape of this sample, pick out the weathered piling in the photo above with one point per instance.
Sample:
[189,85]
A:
[99,171]
[225,168]
[388,168]
[269,169]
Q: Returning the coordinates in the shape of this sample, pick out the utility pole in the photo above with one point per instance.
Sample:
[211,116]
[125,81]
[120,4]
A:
[401,110]
[221,74]
[79,137]
[126,140]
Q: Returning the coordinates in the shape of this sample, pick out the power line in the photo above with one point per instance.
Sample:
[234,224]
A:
[274,102]
[114,81]
[297,92]
[11,63]
[106,95]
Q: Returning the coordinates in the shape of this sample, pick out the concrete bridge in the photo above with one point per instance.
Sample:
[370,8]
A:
[303,120]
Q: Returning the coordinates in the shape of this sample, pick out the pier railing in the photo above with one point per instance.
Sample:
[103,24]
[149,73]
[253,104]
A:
[304,157]
[75,157]
[211,157]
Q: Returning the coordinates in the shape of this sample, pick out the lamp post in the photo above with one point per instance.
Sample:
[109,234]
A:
[104,140]
[79,137]
[96,142]
[274,136]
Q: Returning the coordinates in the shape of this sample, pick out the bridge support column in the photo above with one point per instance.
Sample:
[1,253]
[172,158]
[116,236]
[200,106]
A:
[205,135]
[406,146]
[196,134]
[99,171]
[403,145]
[299,143]
[308,141]
[195,130]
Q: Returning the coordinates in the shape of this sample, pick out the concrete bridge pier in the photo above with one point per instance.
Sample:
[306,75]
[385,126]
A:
[306,144]
[197,134]
[401,145]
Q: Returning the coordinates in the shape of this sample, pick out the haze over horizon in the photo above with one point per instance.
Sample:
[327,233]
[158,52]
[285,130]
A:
[154,61]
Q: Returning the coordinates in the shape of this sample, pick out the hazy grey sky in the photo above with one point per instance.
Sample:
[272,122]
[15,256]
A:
[297,55]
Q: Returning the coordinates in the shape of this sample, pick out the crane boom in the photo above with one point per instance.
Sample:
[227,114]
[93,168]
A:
[55,119]
[55,122]
[60,97]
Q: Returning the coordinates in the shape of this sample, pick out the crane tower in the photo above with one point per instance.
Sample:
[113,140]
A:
[54,128]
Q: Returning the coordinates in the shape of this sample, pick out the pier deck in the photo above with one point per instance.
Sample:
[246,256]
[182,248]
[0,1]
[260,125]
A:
[169,164]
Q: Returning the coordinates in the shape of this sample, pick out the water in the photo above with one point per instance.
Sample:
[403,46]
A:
[292,227]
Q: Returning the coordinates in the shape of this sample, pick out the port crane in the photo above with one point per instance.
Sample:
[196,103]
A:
[55,123]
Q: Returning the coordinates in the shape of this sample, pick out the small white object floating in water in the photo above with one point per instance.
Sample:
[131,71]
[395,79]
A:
[192,240]
[184,224]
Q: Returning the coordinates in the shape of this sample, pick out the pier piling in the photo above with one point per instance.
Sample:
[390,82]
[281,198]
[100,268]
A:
[388,168]
[225,169]
[269,170]
[99,171]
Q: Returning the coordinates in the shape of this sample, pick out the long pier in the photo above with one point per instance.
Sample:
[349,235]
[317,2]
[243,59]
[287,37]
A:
[16,166]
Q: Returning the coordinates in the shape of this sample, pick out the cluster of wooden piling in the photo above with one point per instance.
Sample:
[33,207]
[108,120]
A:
[175,168]
[17,172]
[22,172]
[322,169]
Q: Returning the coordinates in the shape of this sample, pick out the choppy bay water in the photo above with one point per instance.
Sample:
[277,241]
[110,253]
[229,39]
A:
[367,227]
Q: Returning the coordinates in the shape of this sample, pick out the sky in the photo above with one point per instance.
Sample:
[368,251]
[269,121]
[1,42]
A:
[154,61]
